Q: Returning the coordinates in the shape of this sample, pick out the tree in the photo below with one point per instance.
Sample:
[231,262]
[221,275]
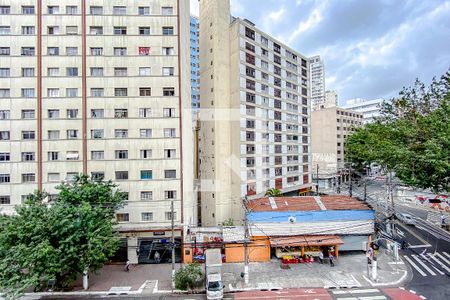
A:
[228,222]
[187,276]
[411,138]
[273,192]
[58,239]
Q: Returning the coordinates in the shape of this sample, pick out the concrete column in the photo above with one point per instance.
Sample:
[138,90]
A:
[131,249]
[336,251]
[303,251]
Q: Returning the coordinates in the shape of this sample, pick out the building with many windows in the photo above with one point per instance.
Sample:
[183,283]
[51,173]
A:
[195,64]
[369,108]
[317,78]
[331,99]
[101,88]
[255,117]
[329,130]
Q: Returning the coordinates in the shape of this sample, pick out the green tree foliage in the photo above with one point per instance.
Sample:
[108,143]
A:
[228,222]
[58,239]
[273,192]
[411,138]
[187,276]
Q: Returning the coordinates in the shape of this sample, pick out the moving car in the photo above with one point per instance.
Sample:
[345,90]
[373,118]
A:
[406,218]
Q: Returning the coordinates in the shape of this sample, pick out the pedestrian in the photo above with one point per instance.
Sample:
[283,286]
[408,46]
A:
[442,220]
[321,257]
[157,257]
[127,266]
[331,260]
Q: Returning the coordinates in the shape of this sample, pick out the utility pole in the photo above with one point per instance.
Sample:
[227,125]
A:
[317,176]
[173,244]
[350,188]
[365,189]
[246,237]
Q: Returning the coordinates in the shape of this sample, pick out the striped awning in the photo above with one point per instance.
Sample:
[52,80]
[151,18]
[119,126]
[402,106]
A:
[305,240]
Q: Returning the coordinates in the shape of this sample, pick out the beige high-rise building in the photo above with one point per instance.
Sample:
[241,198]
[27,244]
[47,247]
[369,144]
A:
[255,117]
[331,99]
[103,88]
[330,128]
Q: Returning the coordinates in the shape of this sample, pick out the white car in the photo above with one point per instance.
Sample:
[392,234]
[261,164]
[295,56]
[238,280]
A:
[406,218]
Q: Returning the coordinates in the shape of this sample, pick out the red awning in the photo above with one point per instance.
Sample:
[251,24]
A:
[305,240]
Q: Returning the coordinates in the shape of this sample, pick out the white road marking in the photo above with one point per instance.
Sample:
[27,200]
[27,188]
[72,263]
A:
[439,262]
[427,259]
[443,258]
[415,266]
[423,265]
[356,291]
[419,246]
[372,298]
[446,254]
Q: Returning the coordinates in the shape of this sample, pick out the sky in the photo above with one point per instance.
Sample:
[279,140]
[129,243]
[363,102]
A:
[371,48]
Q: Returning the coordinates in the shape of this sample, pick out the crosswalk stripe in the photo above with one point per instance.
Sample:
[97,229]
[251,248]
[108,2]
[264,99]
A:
[415,266]
[427,259]
[364,291]
[439,262]
[446,254]
[423,265]
[443,258]
[372,298]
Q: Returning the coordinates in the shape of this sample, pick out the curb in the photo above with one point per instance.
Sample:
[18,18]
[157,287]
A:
[387,283]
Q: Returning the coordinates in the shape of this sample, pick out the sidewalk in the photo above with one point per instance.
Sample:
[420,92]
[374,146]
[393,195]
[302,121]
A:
[350,271]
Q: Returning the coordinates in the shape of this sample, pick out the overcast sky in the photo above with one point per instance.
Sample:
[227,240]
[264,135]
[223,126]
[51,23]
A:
[371,48]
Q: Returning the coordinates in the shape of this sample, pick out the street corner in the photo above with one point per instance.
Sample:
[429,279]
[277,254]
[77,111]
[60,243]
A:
[307,294]
[402,294]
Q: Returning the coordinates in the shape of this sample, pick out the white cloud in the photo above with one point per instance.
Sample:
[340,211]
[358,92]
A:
[313,20]
[236,7]
[276,16]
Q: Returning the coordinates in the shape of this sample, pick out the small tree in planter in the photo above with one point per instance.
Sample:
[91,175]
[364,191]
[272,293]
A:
[188,276]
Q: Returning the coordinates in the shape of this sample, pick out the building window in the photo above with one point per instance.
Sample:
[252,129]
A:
[147,216]
[27,72]
[121,154]
[97,92]
[72,113]
[119,72]
[120,92]
[249,33]
[53,51]
[28,10]
[97,51]
[52,10]
[119,10]
[72,134]
[28,135]
[28,156]
[96,72]
[145,91]
[71,30]
[170,174]
[144,30]
[97,134]
[97,113]
[144,50]
[170,153]
[98,176]
[96,10]
[120,51]
[96,30]
[167,11]
[146,174]
[71,92]
[168,51]
[27,51]
[167,30]
[120,30]
[169,215]
[28,177]
[147,196]
[169,112]
[169,92]
[4,200]
[146,154]
[71,72]
[145,112]
[170,195]
[5,30]
[52,30]
[121,133]
[144,10]
[27,114]
[121,113]
[121,175]
[53,134]
[168,71]
[5,156]
[123,217]
[145,133]
[4,93]
[145,71]
[5,10]
[28,30]
[53,113]
[71,10]
[52,92]
[5,114]
[4,51]
[169,132]
[5,178]
[97,155]
[52,72]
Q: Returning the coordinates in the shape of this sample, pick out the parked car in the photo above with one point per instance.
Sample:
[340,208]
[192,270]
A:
[405,218]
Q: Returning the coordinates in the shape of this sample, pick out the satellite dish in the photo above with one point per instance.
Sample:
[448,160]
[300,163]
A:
[291,219]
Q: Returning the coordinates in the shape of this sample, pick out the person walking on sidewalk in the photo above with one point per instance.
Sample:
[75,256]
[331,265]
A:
[157,257]
[127,266]
[331,257]
[321,257]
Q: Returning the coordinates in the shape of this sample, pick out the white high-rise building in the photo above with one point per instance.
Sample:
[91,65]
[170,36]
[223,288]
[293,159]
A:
[102,88]
[331,99]
[317,77]
[255,116]
[369,108]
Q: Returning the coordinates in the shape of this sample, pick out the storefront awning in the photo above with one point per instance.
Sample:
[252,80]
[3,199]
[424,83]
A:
[305,240]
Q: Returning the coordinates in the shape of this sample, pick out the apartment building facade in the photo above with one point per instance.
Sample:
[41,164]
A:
[331,99]
[317,77]
[195,64]
[329,131]
[102,88]
[370,109]
[255,116]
